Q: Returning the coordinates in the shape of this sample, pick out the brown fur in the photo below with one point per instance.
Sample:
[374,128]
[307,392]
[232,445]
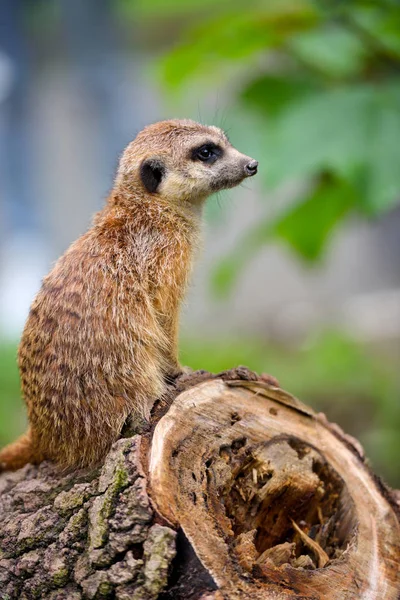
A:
[101,336]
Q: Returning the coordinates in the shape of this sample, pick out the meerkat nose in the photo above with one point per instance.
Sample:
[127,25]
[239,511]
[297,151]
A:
[251,168]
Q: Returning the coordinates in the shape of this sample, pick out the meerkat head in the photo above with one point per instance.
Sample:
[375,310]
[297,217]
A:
[183,161]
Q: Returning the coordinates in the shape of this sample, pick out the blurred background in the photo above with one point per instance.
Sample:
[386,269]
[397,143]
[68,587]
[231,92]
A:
[300,273]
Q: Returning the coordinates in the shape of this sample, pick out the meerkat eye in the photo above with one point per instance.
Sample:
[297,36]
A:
[207,153]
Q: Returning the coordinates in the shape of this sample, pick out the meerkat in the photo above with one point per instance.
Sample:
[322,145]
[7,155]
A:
[101,339]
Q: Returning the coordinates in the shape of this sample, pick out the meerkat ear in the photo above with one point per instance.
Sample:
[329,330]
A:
[152,170]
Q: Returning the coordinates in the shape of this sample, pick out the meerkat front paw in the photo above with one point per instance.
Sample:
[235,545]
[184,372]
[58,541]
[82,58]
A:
[186,370]
[173,375]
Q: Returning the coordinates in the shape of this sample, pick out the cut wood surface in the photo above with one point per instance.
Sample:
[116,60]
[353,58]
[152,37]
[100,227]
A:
[238,491]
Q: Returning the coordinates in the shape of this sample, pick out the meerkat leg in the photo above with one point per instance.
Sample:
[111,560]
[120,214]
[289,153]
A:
[81,441]
[170,325]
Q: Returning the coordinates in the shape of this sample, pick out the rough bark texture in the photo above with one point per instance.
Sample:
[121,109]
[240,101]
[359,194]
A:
[237,491]
[83,537]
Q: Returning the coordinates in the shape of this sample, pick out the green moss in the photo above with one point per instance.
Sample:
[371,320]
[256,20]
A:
[159,551]
[60,578]
[114,478]
[78,521]
[37,589]
[74,498]
[98,529]
[105,589]
[114,473]
[99,513]
[121,478]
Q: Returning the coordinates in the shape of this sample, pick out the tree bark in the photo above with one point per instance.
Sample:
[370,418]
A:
[237,491]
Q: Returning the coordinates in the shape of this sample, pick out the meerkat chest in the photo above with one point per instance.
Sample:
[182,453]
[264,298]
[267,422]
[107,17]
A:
[169,270]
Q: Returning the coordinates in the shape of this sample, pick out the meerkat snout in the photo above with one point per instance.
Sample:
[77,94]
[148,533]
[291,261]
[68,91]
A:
[251,168]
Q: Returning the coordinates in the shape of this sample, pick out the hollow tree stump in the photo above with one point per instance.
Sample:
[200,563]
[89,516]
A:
[238,491]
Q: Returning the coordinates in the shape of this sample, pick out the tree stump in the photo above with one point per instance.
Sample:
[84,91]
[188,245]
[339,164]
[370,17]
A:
[237,491]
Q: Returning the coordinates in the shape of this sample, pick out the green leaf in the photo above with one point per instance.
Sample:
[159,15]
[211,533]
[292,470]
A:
[332,50]
[330,105]
[235,36]
[383,176]
[351,130]
[310,224]
[378,27]
[306,227]
[324,131]
[272,94]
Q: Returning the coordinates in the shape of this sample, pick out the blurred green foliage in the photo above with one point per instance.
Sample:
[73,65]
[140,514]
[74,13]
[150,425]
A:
[12,411]
[323,80]
[356,388]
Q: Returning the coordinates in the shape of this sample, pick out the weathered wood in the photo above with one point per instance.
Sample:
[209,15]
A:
[238,491]
[226,464]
